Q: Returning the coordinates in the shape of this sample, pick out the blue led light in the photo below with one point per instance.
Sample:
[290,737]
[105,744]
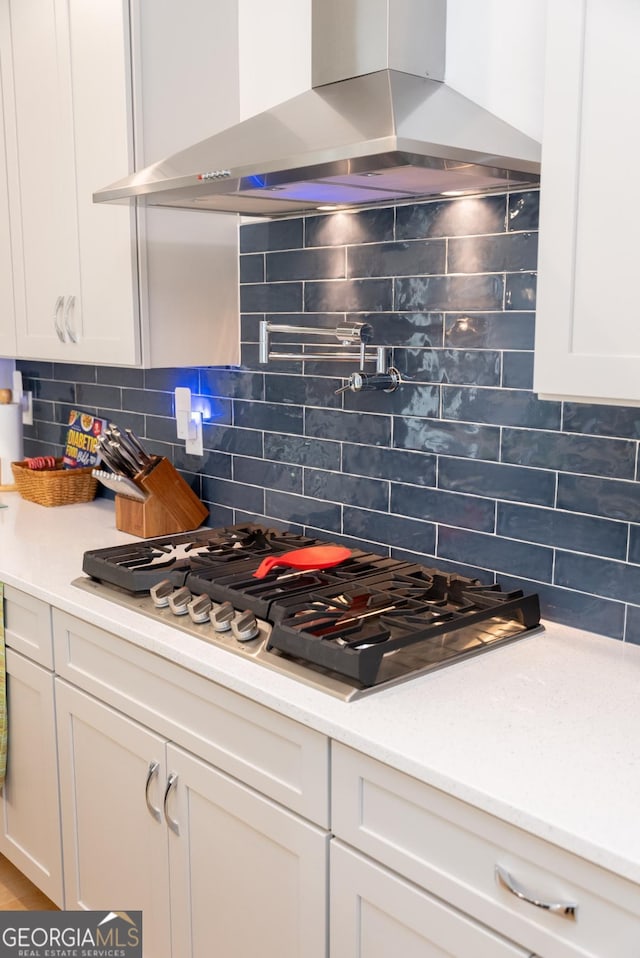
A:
[258,181]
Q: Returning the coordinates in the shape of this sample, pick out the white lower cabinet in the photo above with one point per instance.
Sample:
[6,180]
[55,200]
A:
[173,793]
[550,902]
[208,861]
[376,914]
[30,834]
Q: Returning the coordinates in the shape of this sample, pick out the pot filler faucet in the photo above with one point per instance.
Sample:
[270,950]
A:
[358,335]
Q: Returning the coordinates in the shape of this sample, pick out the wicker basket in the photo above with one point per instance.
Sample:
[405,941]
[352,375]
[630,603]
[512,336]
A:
[54,487]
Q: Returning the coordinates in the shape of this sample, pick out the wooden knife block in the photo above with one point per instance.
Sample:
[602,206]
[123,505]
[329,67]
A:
[171,506]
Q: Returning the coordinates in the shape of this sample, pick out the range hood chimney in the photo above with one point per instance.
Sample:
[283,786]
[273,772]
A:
[378,126]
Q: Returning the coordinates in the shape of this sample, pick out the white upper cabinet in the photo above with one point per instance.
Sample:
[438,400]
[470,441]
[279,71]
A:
[587,335]
[101,283]
[7,306]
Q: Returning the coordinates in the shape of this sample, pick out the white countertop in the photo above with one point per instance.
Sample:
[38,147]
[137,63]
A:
[544,733]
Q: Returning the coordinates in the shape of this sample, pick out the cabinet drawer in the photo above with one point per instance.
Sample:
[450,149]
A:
[452,850]
[274,754]
[28,626]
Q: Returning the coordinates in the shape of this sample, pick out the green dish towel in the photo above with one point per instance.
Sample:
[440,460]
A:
[3,694]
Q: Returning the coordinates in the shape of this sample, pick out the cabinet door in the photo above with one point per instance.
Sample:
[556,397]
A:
[7,304]
[587,334]
[116,853]
[30,835]
[375,914]
[246,874]
[67,128]
[40,172]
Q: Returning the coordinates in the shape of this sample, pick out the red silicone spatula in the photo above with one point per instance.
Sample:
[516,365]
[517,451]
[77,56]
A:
[311,557]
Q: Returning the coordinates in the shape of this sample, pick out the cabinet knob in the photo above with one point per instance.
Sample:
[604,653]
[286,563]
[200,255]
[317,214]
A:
[564,909]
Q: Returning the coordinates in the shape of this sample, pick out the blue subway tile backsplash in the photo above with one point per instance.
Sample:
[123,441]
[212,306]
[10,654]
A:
[462,466]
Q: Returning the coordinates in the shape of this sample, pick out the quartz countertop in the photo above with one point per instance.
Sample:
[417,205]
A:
[544,733]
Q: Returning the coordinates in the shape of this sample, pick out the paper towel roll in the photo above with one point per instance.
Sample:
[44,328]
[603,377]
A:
[11,448]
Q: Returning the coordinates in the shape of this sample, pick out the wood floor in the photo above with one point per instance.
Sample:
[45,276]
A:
[17,893]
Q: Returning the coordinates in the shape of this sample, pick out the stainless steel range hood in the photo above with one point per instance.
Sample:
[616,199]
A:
[378,126]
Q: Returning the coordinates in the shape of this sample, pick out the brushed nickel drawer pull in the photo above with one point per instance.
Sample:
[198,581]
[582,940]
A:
[151,771]
[56,319]
[565,909]
[171,822]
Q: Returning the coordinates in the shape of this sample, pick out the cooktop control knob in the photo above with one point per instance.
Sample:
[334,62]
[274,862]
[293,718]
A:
[245,627]
[179,601]
[222,616]
[199,609]
[160,593]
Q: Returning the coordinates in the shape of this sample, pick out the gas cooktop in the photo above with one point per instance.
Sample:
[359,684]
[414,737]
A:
[360,625]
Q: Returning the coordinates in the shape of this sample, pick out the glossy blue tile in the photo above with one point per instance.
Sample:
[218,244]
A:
[148,401]
[232,494]
[497,480]
[501,407]
[403,329]
[169,379]
[398,465]
[34,369]
[492,552]
[349,426]
[363,226]
[508,252]
[598,576]
[490,330]
[120,376]
[308,512]
[231,383]
[520,291]
[302,390]
[214,464]
[271,297]
[343,295]
[306,264]
[270,235]
[479,366]
[105,397]
[271,475]
[611,498]
[517,370]
[449,292]
[244,442]
[566,530]
[451,508]
[460,217]
[413,258]
[252,268]
[271,416]
[321,453]
[524,209]
[447,438]
[358,491]
[569,453]
[377,527]
[602,420]
[74,372]
[575,609]
[405,400]
[52,391]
